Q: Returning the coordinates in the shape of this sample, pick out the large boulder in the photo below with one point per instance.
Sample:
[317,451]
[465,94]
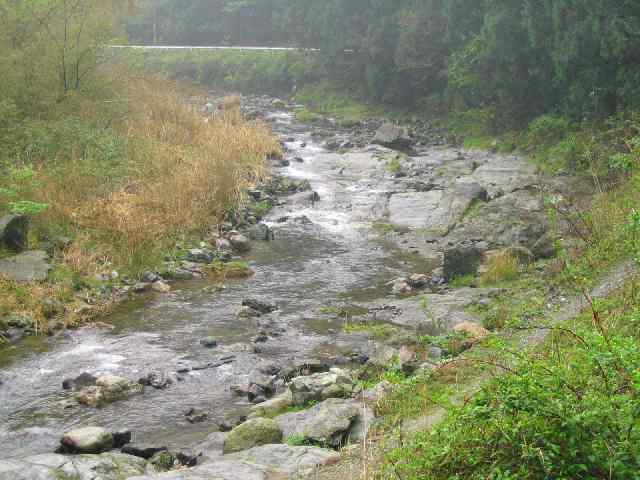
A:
[297,462]
[32,266]
[13,232]
[328,423]
[253,433]
[87,440]
[321,386]
[274,406]
[392,136]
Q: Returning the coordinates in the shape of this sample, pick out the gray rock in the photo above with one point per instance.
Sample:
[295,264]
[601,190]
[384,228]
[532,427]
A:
[321,386]
[108,389]
[273,406]
[160,287]
[240,243]
[261,306]
[392,136]
[150,277]
[209,342]
[247,312]
[260,232]
[401,287]
[460,261]
[141,287]
[142,450]
[156,380]
[222,470]
[297,462]
[83,380]
[327,423]
[253,433]
[195,415]
[87,440]
[106,466]
[418,280]
[200,255]
[223,244]
[32,266]
[13,232]
[212,449]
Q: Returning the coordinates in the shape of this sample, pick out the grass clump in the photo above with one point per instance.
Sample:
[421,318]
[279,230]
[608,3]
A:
[462,281]
[308,116]
[501,267]
[377,330]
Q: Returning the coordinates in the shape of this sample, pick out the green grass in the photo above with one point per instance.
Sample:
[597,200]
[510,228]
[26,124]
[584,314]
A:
[308,116]
[474,209]
[463,281]
[537,420]
[377,330]
[384,228]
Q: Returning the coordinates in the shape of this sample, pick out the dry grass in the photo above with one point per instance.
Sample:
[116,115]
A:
[188,172]
[502,267]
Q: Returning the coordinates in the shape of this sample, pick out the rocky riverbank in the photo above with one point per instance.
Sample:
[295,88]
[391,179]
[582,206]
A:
[358,244]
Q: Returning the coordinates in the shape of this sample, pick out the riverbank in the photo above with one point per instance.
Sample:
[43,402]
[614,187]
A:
[94,212]
[384,264]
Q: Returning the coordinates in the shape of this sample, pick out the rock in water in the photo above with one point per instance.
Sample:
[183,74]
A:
[26,267]
[160,287]
[81,381]
[108,389]
[209,342]
[253,433]
[392,136]
[240,243]
[13,232]
[259,305]
[87,440]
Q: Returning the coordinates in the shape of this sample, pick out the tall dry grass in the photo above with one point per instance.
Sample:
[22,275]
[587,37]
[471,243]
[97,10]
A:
[187,172]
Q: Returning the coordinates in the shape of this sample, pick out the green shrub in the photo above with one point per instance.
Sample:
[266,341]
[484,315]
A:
[569,416]
[547,130]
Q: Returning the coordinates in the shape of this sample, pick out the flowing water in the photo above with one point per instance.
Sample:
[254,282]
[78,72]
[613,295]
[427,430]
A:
[333,259]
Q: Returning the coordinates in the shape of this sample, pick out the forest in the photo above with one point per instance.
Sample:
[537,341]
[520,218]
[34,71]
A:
[511,61]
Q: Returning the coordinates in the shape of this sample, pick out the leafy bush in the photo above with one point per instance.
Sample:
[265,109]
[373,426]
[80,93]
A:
[569,416]
[547,130]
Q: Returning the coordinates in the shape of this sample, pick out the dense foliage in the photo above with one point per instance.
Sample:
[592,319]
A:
[514,60]
[571,413]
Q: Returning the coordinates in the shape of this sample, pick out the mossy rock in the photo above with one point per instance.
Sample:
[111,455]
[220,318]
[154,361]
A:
[253,433]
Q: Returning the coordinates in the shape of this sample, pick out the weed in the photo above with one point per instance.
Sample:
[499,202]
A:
[462,281]
[377,330]
[502,267]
